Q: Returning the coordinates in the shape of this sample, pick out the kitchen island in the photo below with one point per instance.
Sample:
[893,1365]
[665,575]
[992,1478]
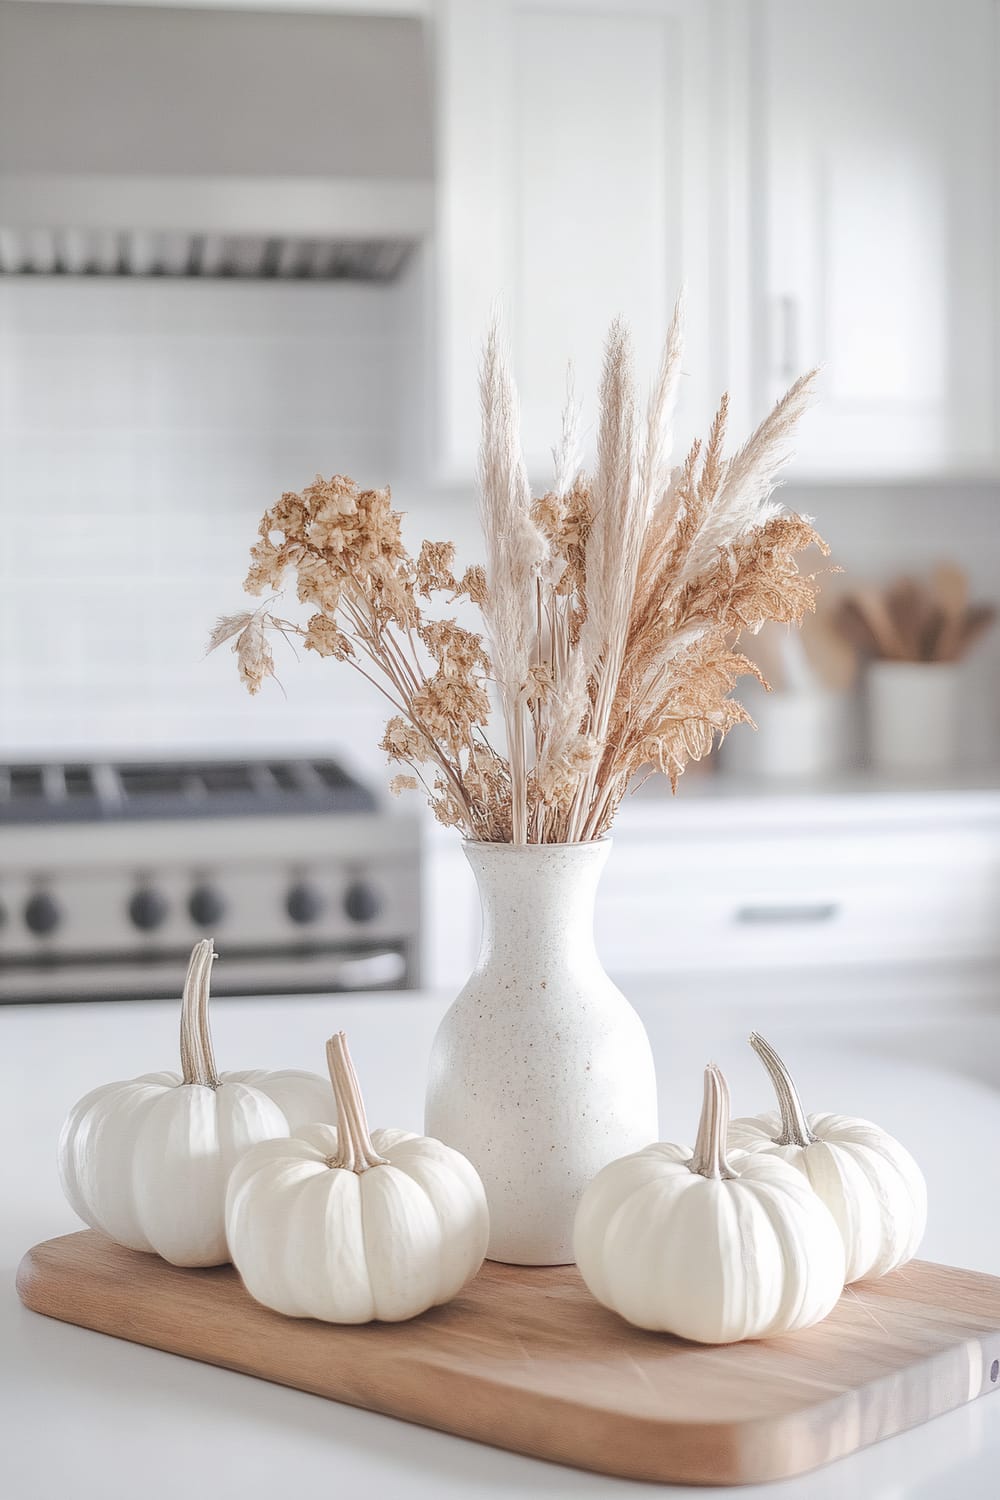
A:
[95,1417]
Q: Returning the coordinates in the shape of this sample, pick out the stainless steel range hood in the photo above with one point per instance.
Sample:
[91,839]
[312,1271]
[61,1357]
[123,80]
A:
[144,140]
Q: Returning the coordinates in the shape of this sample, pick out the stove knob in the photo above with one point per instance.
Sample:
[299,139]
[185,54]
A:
[147,910]
[362,901]
[206,906]
[42,914]
[304,903]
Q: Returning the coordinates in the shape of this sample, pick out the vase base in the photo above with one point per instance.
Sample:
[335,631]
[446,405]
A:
[533,1264]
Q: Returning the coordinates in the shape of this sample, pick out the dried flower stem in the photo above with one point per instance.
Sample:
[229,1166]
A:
[612,604]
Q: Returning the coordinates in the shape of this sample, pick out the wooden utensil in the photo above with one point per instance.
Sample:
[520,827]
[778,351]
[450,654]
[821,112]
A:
[525,1359]
[978,620]
[850,623]
[910,609]
[876,614]
[950,585]
[833,658]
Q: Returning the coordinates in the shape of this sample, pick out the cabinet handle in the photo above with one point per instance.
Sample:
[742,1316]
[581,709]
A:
[778,914]
[786,341]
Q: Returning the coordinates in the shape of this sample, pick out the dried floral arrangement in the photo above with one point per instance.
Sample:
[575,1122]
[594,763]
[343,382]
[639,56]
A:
[612,605]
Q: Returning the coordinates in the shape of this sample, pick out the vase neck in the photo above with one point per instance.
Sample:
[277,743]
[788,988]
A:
[538,900]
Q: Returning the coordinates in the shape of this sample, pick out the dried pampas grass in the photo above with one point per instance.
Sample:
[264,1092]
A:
[612,605]
[516,555]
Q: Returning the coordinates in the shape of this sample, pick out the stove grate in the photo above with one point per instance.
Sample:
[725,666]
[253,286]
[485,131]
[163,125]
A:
[80,792]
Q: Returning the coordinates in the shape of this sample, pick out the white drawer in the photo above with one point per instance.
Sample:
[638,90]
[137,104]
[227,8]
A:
[787,901]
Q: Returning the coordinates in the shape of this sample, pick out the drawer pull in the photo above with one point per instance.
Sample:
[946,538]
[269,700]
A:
[780,914]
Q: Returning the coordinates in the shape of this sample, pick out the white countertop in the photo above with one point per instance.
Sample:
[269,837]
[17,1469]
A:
[91,1417]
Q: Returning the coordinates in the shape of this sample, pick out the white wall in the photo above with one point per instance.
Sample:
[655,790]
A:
[144,427]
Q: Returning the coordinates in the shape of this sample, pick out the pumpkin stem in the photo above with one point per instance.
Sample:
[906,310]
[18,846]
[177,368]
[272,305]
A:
[794,1125]
[197,1057]
[355,1152]
[709,1159]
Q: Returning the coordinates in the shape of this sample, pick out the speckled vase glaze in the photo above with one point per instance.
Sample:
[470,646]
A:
[541,1072]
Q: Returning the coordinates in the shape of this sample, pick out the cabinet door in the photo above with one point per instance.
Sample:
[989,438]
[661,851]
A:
[576,157]
[876,170]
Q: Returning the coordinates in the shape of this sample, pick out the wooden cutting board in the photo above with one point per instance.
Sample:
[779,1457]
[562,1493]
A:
[526,1360]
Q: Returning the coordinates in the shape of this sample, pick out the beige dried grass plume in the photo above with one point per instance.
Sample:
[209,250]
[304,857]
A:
[612,604]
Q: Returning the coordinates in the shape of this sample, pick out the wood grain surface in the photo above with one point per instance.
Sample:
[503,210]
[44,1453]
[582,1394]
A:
[526,1360]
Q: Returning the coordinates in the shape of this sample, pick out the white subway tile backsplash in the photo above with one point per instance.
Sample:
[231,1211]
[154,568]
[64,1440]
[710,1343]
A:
[210,383]
[335,311]
[361,451]
[72,471]
[41,306]
[144,427]
[57,390]
[44,306]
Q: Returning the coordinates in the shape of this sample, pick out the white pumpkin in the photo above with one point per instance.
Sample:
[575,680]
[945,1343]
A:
[710,1246]
[868,1181]
[348,1226]
[146,1161]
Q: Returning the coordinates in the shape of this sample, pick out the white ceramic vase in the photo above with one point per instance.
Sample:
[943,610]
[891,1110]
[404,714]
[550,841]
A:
[541,1072]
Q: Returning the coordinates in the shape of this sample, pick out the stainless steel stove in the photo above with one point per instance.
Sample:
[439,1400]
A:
[109,872]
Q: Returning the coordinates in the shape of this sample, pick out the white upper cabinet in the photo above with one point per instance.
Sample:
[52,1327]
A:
[873,143]
[821,174]
[576,166]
